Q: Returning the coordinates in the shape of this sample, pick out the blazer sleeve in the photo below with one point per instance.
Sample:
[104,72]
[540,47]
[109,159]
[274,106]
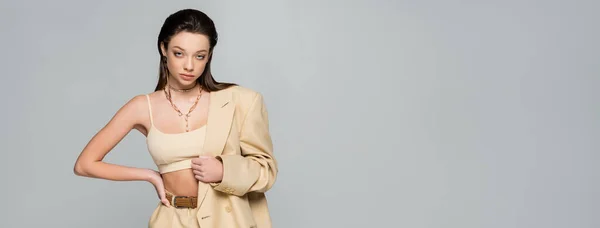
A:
[255,170]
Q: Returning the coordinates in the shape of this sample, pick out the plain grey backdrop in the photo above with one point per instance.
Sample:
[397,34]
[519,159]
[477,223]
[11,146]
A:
[383,113]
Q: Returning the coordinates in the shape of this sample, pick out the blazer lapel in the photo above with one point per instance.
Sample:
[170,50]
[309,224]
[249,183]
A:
[220,117]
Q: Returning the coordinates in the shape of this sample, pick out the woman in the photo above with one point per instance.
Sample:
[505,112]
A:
[209,140]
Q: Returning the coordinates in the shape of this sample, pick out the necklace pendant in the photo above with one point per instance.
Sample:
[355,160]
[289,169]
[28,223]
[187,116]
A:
[180,114]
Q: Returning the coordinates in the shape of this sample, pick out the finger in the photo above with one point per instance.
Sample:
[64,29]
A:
[165,202]
[197,172]
[196,167]
[163,198]
[200,178]
[196,161]
[204,157]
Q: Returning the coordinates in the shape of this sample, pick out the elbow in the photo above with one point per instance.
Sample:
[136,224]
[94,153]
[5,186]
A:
[270,181]
[79,169]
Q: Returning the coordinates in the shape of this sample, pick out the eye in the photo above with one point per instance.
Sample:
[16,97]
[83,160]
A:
[177,53]
[200,57]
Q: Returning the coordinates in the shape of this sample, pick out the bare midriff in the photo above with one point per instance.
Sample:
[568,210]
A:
[181,182]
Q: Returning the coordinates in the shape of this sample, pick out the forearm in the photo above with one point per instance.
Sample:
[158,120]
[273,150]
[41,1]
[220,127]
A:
[247,174]
[103,170]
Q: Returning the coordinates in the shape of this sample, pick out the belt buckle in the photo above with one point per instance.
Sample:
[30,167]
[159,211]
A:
[175,197]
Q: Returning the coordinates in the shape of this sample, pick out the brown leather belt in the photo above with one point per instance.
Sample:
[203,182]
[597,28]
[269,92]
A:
[182,201]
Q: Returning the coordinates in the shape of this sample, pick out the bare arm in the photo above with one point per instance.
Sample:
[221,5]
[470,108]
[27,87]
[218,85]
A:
[90,164]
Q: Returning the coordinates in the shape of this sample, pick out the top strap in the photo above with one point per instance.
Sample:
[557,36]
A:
[149,109]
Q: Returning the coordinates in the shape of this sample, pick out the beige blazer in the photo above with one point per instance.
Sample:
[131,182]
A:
[238,133]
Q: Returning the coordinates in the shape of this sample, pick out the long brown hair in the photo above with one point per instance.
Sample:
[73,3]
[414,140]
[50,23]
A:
[193,21]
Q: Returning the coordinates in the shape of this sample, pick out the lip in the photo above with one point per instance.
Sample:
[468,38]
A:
[187,77]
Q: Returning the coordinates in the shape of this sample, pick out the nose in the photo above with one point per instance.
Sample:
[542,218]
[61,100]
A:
[189,65]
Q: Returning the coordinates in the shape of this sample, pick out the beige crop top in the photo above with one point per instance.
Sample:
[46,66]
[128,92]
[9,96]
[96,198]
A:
[172,152]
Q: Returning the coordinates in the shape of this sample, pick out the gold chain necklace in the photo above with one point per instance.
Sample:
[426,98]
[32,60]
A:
[186,116]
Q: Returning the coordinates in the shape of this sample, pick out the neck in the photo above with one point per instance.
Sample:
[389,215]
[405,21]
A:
[188,93]
[181,89]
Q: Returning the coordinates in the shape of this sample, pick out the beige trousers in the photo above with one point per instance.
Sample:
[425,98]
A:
[170,217]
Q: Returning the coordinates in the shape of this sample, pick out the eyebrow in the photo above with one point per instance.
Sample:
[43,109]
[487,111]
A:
[184,49]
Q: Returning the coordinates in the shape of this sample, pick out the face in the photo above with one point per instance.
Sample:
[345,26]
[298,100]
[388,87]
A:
[187,55]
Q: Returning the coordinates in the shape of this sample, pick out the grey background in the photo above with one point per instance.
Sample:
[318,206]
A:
[383,113]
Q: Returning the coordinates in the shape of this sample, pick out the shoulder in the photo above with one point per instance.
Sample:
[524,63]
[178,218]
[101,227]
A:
[135,102]
[136,107]
[139,101]
[243,96]
[241,91]
[245,99]
[131,112]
